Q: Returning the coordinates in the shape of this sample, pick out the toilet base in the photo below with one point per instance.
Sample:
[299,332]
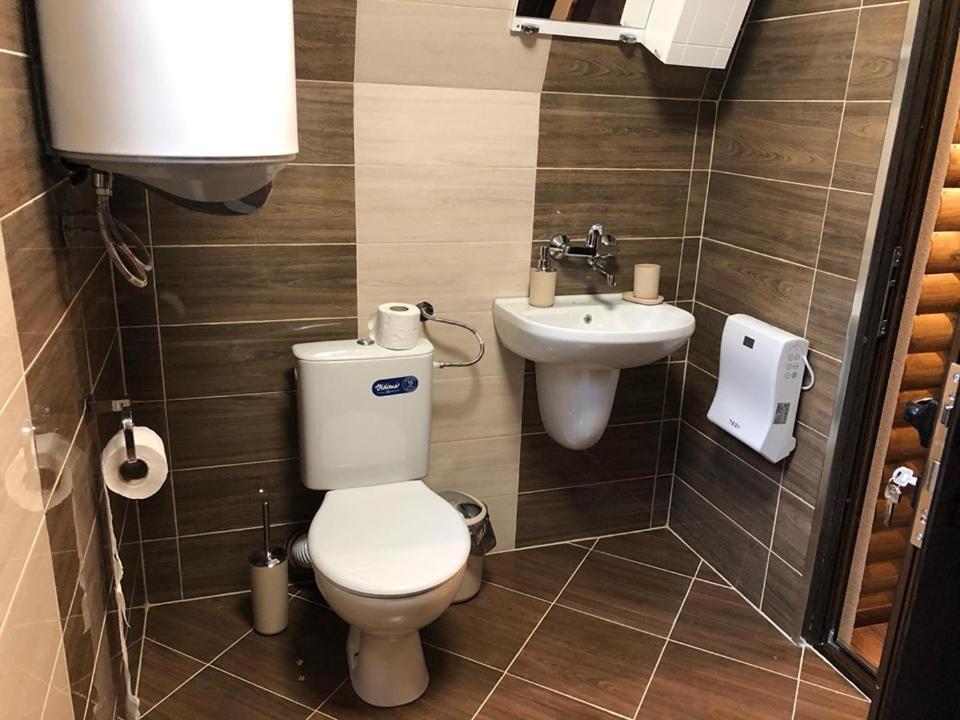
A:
[386,670]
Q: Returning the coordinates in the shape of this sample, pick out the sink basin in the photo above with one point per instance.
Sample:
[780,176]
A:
[579,347]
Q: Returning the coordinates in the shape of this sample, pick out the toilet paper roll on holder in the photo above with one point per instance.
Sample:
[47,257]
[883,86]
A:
[133,467]
[426,315]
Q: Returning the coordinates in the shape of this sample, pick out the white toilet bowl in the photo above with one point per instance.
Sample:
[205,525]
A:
[389,560]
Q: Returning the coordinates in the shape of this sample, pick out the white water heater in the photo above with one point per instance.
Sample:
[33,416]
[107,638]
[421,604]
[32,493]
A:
[194,97]
[761,376]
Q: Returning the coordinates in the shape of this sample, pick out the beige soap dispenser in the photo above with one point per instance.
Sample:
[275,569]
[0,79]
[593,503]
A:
[543,280]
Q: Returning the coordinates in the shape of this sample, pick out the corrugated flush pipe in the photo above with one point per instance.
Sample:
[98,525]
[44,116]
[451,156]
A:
[298,551]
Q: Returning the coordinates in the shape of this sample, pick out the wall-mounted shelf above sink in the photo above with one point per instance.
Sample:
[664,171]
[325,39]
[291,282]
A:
[579,347]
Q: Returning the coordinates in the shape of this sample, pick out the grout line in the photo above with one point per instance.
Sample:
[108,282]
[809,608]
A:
[730,519]
[193,599]
[663,650]
[811,268]
[736,660]
[820,12]
[163,391]
[796,694]
[533,632]
[573,541]
[833,167]
[330,696]
[32,200]
[829,188]
[96,660]
[859,695]
[593,484]
[15,53]
[569,697]
[735,588]
[638,562]
[204,666]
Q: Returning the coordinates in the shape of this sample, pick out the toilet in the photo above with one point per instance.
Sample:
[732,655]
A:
[387,552]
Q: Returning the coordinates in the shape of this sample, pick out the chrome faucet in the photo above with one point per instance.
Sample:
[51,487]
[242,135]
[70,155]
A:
[560,248]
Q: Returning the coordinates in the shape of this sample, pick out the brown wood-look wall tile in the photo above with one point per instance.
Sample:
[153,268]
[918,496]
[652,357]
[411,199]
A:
[706,125]
[697,398]
[630,203]
[803,467]
[229,498]
[661,500]
[844,232]
[830,313]
[325,120]
[775,218]
[575,278]
[861,142]
[235,284]
[99,317]
[673,397]
[816,405]
[217,563]
[696,203]
[669,436]
[765,9]
[799,58]
[785,597]
[204,360]
[158,517]
[25,171]
[309,204]
[725,481]
[733,280]
[779,140]
[705,343]
[792,533]
[877,54]
[590,131]
[162,570]
[325,38]
[689,258]
[720,542]
[58,384]
[624,452]
[585,511]
[220,431]
[135,306]
[141,362]
[11,26]
[694,684]
[640,393]
[46,268]
[588,66]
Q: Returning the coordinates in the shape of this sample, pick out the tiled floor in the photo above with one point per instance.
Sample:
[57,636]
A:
[632,626]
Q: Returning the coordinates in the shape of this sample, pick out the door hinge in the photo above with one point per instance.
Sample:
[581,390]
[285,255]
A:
[888,292]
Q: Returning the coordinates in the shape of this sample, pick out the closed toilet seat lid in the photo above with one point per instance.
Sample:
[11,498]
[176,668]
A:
[388,540]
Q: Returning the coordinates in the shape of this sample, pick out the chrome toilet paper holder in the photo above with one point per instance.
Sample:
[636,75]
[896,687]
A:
[133,467]
[426,315]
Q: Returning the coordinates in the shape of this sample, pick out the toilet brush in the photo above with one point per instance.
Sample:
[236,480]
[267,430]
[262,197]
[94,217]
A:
[268,584]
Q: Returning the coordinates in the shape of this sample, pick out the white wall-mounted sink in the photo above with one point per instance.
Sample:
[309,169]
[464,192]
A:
[579,346]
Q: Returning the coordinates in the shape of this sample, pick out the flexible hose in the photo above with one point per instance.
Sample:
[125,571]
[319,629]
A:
[118,237]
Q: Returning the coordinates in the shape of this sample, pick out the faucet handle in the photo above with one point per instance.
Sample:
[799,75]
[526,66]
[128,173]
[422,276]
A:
[608,240]
[559,244]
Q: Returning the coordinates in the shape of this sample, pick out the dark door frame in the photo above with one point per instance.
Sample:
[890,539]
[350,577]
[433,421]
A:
[869,358]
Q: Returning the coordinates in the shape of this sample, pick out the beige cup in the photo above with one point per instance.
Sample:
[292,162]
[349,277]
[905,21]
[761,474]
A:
[646,281]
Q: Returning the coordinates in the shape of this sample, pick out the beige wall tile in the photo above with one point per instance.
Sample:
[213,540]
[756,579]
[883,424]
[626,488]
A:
[446,45]
[472,408]
[11,365]
[484,467]
[431,126]
[454,277]
[419,204]
[30,638]
[21,503]
[503,515]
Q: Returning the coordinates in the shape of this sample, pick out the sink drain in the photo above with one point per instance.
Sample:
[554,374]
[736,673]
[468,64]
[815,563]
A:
[587,319]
